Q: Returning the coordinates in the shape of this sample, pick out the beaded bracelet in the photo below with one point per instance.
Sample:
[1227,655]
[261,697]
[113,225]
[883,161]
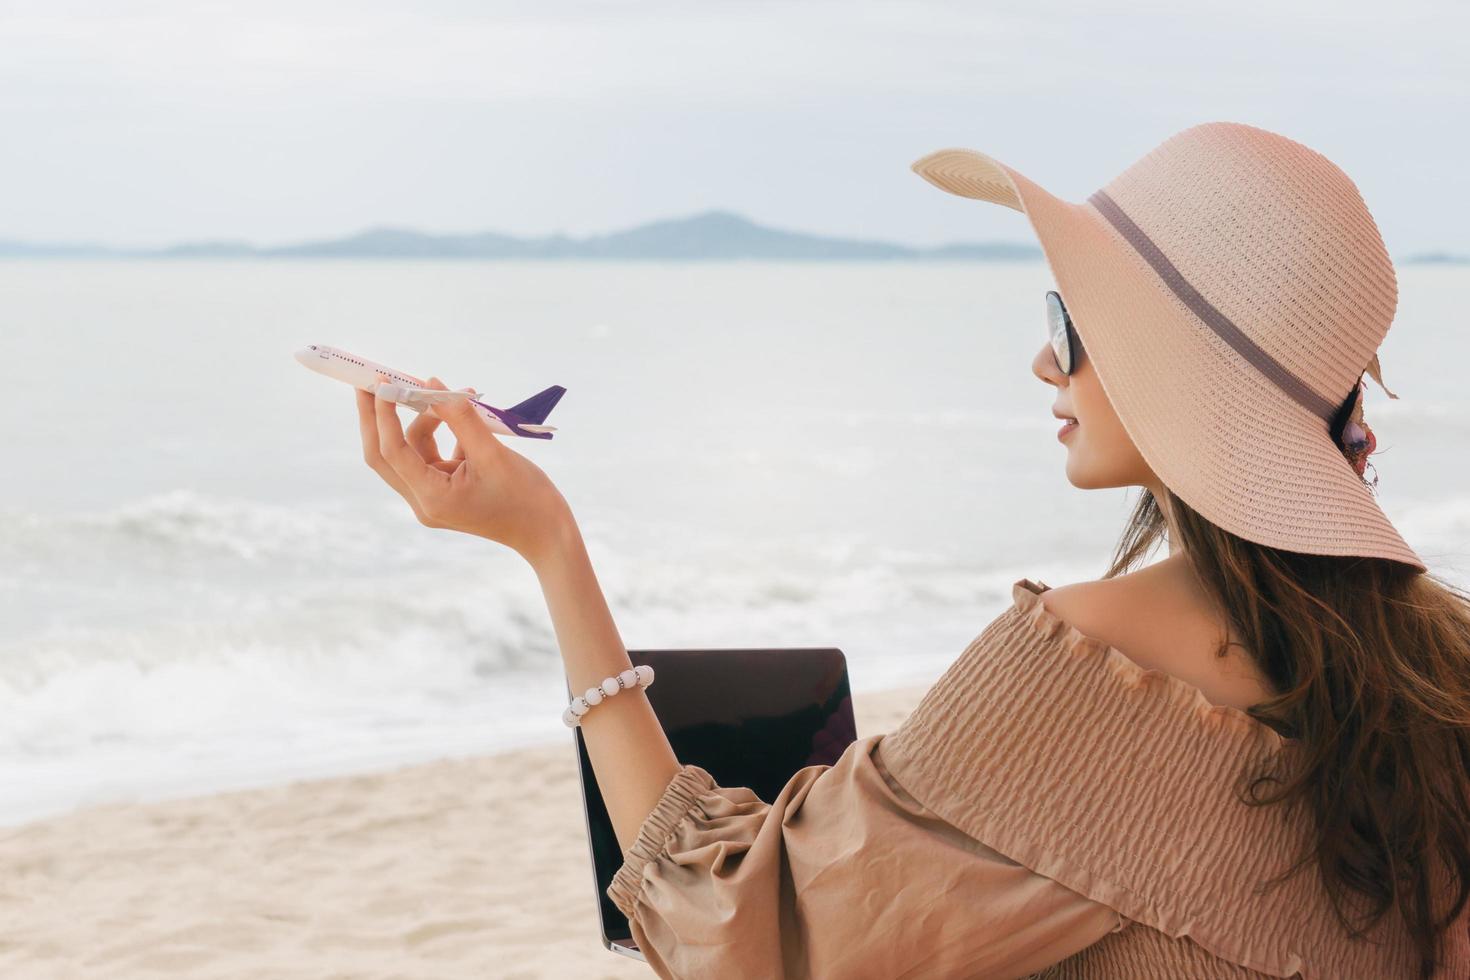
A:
[642,675]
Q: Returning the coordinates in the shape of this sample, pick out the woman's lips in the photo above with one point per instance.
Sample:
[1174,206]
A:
[1067,428]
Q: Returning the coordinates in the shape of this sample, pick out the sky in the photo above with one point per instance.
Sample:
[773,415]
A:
[147,123]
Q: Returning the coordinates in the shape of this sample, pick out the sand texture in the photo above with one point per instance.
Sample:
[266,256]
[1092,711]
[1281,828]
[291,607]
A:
[473,867]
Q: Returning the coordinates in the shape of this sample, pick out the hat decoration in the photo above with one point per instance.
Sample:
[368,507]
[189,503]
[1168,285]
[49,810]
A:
[1357,439]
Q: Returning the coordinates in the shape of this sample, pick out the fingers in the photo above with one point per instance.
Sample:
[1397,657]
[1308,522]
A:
[436,383]
[476,439]
[458,453]
[423,481]
[420,434]
[368,425]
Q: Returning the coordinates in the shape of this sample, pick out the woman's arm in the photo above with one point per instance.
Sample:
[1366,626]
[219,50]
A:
[492,491]
[630,754]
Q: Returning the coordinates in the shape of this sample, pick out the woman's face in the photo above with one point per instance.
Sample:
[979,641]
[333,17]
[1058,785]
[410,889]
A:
[1100,453]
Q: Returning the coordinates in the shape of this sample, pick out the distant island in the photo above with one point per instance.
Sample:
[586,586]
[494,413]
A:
[1436,258]
[712,235]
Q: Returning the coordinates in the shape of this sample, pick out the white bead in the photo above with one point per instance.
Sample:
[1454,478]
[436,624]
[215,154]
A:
[610,686]
[645,674]
[594,695]
[628,677]
[569,719]
[579,707]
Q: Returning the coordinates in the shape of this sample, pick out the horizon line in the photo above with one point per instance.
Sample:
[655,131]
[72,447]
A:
[303,247]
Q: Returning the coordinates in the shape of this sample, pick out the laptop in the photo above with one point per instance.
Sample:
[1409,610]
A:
[751,717]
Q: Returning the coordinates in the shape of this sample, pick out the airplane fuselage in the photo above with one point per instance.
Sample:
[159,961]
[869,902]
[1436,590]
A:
[362,374]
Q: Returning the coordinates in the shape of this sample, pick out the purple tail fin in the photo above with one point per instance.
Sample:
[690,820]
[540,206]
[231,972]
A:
[535,409]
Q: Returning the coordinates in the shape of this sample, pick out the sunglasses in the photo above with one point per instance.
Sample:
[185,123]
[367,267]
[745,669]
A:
[1066,345]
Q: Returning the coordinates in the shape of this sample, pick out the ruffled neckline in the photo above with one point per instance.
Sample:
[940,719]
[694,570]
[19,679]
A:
[1026,596]
[1123,783]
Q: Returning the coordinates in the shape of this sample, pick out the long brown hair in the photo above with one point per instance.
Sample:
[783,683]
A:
[1371,659]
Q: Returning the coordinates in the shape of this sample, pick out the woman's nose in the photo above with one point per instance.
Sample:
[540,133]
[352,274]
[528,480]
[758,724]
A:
[1044,366]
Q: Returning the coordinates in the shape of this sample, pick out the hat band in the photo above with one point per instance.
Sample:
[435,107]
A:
[1272,369]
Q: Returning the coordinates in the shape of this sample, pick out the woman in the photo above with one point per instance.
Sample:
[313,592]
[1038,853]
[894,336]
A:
[1250,758]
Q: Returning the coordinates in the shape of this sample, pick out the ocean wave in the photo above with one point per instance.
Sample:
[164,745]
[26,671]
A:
[180,634]
[181,577]
[184,521]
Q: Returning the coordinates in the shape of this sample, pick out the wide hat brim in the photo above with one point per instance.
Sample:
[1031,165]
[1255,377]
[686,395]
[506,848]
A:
[1230,443]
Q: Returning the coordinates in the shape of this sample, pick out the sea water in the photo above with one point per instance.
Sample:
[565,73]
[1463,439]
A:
[203,586]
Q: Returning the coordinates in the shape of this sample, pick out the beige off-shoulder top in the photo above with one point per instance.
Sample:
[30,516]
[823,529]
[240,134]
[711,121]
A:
[1050,809]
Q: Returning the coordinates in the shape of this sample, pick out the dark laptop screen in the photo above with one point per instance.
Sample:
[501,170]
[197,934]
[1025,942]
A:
[750,717]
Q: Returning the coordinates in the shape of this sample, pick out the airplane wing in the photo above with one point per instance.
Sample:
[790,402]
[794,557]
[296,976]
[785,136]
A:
[418,399]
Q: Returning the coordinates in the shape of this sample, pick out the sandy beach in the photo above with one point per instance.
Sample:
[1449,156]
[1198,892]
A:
[474,867]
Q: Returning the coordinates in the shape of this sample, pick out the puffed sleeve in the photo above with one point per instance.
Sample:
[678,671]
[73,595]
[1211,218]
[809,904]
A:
[843,875]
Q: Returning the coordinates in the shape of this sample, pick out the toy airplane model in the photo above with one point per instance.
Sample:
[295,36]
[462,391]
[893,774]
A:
[523,419]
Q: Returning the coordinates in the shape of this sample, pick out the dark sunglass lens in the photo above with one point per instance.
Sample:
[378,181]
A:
[1061,341]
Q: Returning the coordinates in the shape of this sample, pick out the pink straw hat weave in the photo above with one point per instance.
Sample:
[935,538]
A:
[1232,289]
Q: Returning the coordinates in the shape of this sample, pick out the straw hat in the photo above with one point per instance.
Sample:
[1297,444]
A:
[1231,289]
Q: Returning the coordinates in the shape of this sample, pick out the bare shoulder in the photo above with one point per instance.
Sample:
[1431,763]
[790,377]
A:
[1156,617]
[1102,608]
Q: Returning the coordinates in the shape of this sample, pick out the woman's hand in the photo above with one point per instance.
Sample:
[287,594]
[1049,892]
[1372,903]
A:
[485,489]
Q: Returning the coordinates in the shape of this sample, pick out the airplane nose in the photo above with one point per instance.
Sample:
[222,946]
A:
[308,355]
